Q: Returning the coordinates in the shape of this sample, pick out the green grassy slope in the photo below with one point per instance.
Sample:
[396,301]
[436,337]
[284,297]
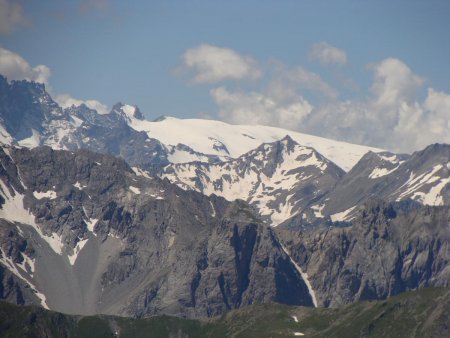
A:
[422,313]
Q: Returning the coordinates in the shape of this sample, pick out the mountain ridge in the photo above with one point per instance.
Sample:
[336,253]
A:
[204,140]
[90,235]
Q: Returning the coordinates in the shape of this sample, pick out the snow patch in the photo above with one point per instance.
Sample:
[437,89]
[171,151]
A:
[43,299]
[393,158]
[342,216]
[8,262]
[433,196]
[140,172]
[415,183]
[13,210]
[76,121]
[113,235]
[47,194]
[5,137]
[135,190]
[304,276]
[318,210]
[76,251]
[90,222]
[213,213]
[31,142]
[129,111]
[79,186]
[380,172]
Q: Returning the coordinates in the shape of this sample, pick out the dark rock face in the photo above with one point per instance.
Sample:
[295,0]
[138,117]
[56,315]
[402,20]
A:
[387,250]
[106,239]
[13,253]
[111,134]
[23,107]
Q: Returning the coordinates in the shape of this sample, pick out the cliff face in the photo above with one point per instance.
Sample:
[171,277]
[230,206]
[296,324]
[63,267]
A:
[388,249]
[87,234]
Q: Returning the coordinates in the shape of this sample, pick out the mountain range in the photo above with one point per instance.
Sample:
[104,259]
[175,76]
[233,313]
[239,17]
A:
[115,214]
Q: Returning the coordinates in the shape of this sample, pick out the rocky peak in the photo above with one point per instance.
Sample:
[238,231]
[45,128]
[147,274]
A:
[127,111]
[436,153]
[25,107]
[111,239]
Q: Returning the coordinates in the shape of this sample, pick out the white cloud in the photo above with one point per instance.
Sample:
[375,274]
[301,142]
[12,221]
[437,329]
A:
[287,82]
[15,67]
[66,101]
[393,118]
[11,16]
[312,81]
[437,106]
[328,54]
[394,83]
[211,64]
[257,108]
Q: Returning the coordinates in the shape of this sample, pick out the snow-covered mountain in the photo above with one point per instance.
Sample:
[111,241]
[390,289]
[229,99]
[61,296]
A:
[233,161]
[29,117]
[82,231]
[231,141]
[279,179]
[423,177]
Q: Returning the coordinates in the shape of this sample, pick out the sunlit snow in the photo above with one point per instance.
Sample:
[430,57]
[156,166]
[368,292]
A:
[135,190]
[342,216]
[13,210]
[203,135]
[76,251]
[45,194]
[32,141]
[304,276]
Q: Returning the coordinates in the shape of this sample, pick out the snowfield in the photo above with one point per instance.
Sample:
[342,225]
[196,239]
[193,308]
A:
[226,140]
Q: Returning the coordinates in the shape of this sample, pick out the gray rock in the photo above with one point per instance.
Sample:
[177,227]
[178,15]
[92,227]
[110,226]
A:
[108,240]
[389,248]
[279,179]
[423,177]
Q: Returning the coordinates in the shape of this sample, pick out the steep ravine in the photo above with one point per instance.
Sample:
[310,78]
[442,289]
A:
[107,239]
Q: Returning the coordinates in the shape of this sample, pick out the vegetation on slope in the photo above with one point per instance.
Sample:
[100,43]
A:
[422,313]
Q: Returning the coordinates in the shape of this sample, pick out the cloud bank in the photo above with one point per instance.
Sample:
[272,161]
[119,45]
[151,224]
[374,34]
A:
[392,114]
[257,108]
[327,54]
[15,67]
[211,64]
[66,101]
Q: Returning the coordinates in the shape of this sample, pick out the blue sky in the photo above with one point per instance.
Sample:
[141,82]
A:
[162,56]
